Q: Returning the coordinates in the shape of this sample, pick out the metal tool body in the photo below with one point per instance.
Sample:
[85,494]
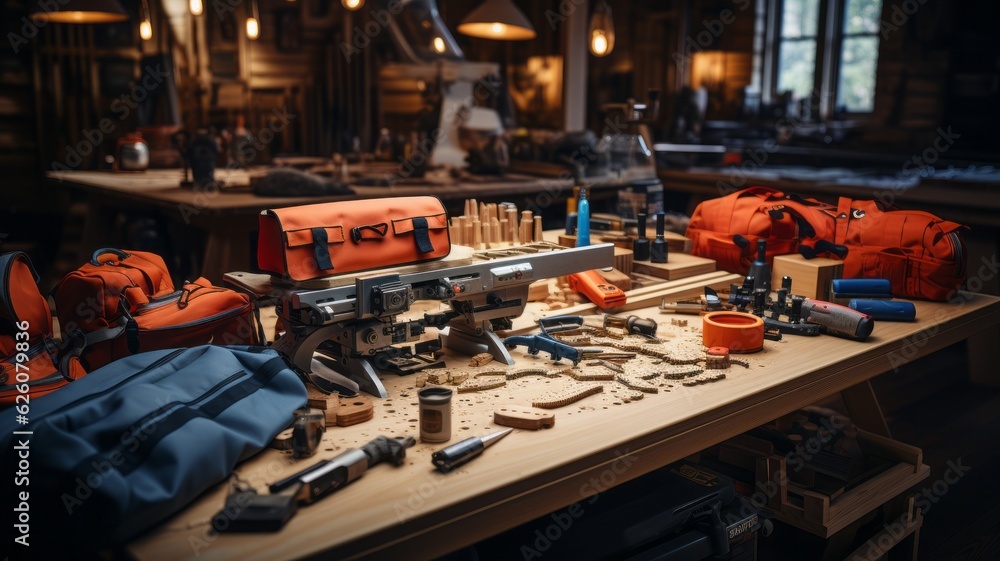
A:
[537,343]
[710,302]
[329,475]
[357,325]
[632,325]
[797,315]
[450,457]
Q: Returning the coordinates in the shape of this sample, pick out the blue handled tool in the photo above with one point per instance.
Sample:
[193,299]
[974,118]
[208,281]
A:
[886,310]
[862,288]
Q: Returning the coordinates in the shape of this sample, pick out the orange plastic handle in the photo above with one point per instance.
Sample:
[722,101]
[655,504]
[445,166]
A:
[593,286]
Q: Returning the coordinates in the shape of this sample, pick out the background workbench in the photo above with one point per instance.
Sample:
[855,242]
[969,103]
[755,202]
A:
[228,217]
[413,511]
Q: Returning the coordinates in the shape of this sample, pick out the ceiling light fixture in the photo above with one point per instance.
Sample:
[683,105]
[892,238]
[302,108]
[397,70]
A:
[253,24]
[602,30]
[81,11]
[145,26]
[498,19]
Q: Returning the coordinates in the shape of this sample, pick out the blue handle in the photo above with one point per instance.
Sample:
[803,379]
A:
[873,287]
[886,310]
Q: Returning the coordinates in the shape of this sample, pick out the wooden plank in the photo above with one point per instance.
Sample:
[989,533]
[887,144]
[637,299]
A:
[678,266]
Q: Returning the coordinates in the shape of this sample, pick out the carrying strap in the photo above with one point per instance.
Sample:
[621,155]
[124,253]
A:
[321,250]
[421,234]
[842,220]
[131,454]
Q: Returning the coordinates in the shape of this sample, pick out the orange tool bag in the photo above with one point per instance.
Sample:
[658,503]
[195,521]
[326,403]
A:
[124,302]
[32,363]
[921,255]
[308,242]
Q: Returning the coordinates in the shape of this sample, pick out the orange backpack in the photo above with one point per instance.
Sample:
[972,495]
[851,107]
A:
[124,302]
[921,255]
[33,361]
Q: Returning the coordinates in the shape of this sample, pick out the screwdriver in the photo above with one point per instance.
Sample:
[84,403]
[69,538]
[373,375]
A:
[450,457]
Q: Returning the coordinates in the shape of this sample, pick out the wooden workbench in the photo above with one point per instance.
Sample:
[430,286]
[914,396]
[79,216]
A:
[229,216]
[415,512]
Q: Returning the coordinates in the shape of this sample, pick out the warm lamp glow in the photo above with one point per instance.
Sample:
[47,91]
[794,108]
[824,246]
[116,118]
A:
[602,30]
[353,4]
[599,43]
[196,7]
[497,19]
[81,11]
[145,30]
[439,45]
[253,28]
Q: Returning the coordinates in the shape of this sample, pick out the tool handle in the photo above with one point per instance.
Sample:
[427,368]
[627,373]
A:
[838,320]
[596,289]
[874,287]
[886,310]
[383,449]
[448,458]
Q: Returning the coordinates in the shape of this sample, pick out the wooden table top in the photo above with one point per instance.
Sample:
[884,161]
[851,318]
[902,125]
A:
[161,187]
[413,511]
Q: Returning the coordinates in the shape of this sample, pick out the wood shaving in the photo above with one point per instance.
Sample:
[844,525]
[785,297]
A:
[553,401]
[636,384]
[476,386]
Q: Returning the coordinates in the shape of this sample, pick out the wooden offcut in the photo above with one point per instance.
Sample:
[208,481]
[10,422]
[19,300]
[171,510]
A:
[521,417]
[810,277]
[678,266]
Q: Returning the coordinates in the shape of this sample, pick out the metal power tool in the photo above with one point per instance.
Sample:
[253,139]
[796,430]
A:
[356,321]
[798,315]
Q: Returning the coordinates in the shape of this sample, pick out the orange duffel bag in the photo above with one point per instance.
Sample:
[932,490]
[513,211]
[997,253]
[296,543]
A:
[922,255]
[33,362]
[312,241]
[124,302]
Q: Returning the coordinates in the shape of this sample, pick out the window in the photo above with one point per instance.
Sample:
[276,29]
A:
[824,51]
[859,56]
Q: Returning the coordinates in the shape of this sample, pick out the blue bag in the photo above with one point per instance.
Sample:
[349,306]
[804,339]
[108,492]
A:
[116,452]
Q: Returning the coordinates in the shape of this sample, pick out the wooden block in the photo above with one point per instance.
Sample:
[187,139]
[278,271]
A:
[624,260]
[810,277]
[680,266]
[521,417]
[539,290]
[615,277]
[537,233]
[319,400]
[353,410]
